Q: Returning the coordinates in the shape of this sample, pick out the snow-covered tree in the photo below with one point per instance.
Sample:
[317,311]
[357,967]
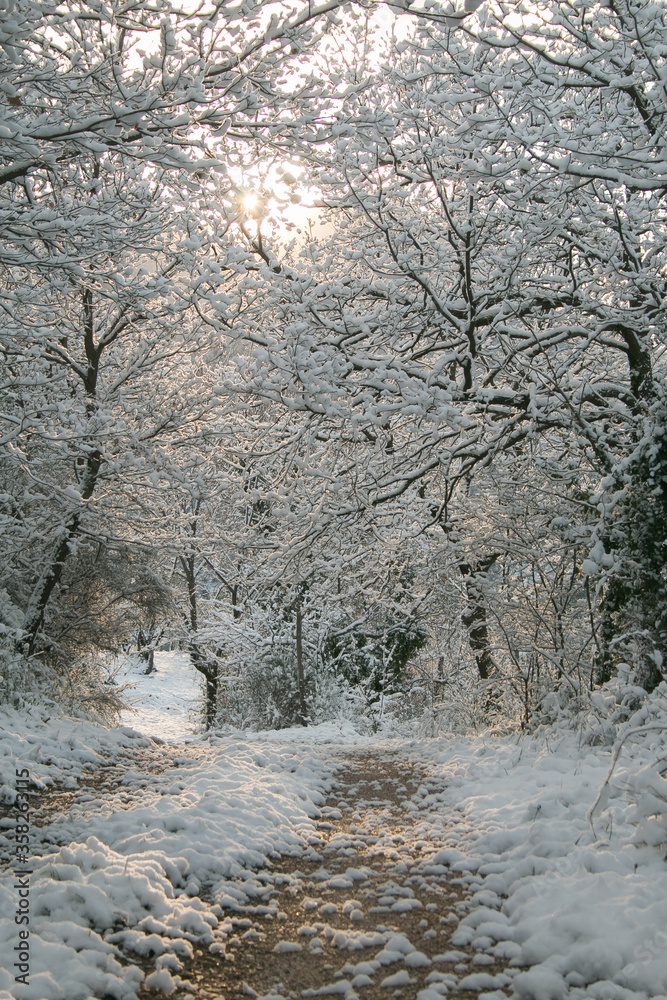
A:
[475,294]
[486,282]
[113,122]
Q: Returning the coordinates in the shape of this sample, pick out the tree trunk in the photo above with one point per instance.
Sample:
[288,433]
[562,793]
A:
[52,575]
[209,670]
[301,680]
[211,697]
[475,621]
[200,660]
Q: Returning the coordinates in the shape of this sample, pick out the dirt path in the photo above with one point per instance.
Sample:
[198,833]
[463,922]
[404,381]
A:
[364,913]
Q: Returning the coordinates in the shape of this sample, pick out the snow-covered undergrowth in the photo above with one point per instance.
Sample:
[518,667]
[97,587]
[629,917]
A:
[125,870]
[580,898]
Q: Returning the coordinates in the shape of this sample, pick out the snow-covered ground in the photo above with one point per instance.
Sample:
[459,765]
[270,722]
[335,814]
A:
[579,908]
[583,903]
[125,868]
[167,702]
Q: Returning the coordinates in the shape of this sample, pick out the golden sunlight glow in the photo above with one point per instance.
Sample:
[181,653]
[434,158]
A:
[250,202]
[276,195]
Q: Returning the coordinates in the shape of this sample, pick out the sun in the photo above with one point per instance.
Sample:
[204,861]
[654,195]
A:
[275,195]
[250,201]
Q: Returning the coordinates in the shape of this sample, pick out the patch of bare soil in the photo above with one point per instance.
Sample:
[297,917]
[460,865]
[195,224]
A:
[361,914]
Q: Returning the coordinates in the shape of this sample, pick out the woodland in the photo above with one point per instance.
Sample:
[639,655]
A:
[332,346]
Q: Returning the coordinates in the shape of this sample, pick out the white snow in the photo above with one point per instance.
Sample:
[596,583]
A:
[126,872]
[166,703]
[401,978]
[584,906]
[577,909]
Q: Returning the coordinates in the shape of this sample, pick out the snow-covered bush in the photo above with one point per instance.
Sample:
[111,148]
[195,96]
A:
[105,596]
[271,688]
[265,695]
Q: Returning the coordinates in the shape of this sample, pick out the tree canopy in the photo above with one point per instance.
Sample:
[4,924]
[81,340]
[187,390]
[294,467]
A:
[452,375]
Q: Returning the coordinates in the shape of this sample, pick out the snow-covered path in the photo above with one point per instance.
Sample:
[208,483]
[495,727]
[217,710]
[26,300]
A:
[457,867]
[366,912]
[166,703]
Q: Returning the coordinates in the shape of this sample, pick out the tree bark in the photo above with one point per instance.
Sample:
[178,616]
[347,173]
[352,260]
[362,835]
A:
[475,621]
[211,697]
[51,576]
[301,680]
[200,660]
